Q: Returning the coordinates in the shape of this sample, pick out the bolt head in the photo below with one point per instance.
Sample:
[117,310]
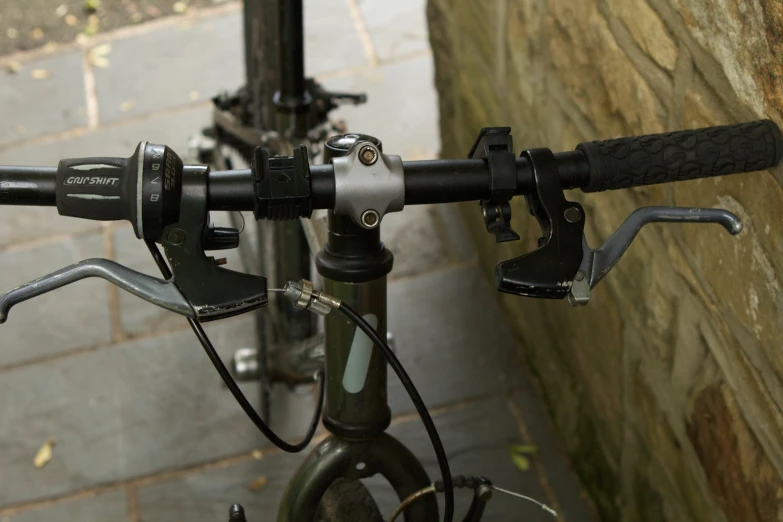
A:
[368,154]
[572,215]
[176,237]
[370,219]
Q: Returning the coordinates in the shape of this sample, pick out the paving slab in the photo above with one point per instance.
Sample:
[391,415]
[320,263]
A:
[182,62]
[171,66]
[34,107]
[397,28]
[129,410]
[67,318]
[110,506]
[564,482]
[172,128]
[476,438]
[415,238]
[402,106]
[452,338]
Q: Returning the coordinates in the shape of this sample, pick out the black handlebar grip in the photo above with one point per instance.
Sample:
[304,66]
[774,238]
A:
[674,156]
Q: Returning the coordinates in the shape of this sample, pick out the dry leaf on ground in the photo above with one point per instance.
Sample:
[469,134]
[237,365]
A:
[37,34]
[11,33]
[40,74]
[98,56]
[61,10]
[13,67]
[71,19]
[180,7]
[519,455]
[258,483]
[44,454]
[258,454]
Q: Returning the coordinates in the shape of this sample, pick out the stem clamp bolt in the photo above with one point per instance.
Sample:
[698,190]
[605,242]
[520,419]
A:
[368,154]
[370,219]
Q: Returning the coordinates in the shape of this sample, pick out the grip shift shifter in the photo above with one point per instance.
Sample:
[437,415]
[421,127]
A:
[165,203]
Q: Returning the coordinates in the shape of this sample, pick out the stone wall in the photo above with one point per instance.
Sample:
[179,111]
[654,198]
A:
[666,389]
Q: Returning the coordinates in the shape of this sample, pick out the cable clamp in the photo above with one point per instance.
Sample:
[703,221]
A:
[305,297]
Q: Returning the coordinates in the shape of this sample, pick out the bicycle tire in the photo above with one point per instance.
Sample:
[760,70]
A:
[347,501]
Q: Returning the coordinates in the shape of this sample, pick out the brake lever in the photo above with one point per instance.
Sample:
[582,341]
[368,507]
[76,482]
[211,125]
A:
[166,202]
[596,263]
[164,294]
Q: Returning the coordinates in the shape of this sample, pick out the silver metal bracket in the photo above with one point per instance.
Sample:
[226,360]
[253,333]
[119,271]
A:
[368,184]
[596,263]
[156,291]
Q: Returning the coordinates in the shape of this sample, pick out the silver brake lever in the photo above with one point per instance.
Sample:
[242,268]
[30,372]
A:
[597,263]
[156,291]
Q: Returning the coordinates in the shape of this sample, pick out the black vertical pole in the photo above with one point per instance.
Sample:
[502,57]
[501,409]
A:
[291,27]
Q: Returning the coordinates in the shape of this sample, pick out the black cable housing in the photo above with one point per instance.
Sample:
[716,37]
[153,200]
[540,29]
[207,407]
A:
[231,383]
[407,383]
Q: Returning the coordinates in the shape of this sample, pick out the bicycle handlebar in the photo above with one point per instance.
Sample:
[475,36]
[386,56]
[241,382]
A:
[593,166]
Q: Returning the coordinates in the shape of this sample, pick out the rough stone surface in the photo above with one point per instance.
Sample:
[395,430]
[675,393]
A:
[667,388]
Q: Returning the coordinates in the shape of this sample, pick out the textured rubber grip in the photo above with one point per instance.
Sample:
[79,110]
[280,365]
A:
[674,156]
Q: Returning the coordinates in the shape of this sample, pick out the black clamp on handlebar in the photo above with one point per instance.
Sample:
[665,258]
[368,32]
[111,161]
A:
[496,146]
[548,271]
[282,185]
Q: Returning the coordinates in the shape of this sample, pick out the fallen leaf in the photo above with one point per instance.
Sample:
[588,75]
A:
[40,74]
[180,7]
[193,95]
[519,455]
[127,105]
[258,483]
[71,20]
[137,17]
[258,454]
[98,56]
[37,33]
[152,11]
[92,5]
[44,454]
[82,39]
[61,10]
[11,33]
[50,47]
[13,67]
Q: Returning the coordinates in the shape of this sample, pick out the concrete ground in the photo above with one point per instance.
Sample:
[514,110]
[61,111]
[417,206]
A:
[142,429]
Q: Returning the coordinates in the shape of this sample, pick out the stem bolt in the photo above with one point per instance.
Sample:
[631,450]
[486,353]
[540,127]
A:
[368,154]
[370,219]
[572,215]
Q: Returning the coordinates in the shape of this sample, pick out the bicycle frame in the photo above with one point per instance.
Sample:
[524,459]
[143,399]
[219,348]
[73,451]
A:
[354,264]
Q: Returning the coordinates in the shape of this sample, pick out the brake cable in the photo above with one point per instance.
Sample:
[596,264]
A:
[231,383]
